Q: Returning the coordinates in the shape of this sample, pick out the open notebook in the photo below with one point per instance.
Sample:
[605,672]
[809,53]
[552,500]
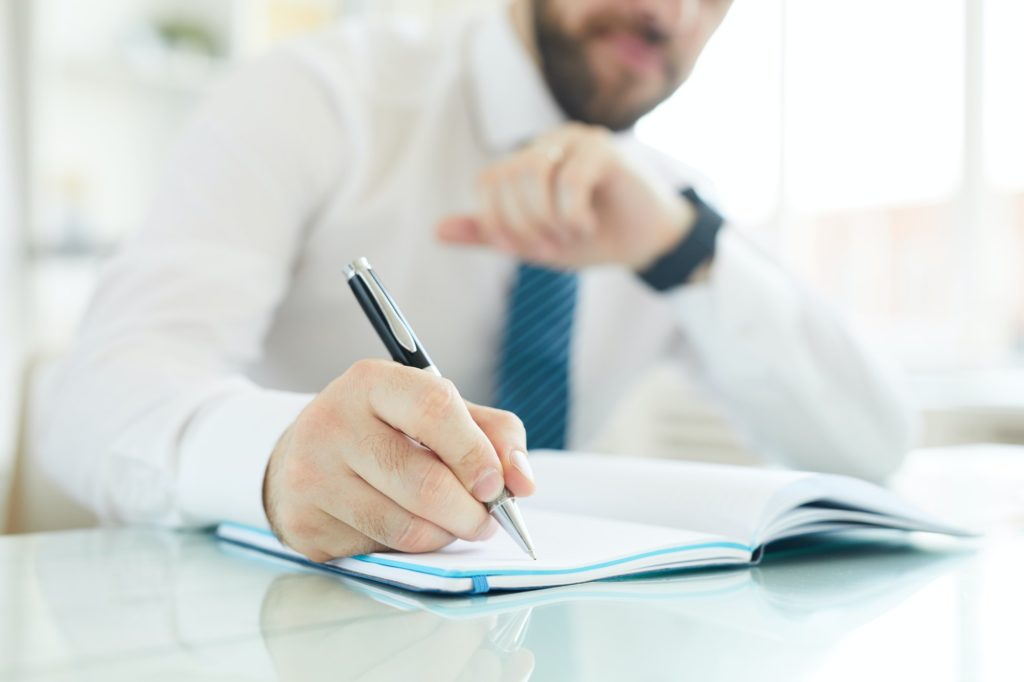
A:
[598,517]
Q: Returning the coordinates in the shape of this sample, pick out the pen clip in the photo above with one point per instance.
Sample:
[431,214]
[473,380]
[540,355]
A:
[400,329]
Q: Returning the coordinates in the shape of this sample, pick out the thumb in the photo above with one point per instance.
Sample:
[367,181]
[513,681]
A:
[507,435]
[460,229]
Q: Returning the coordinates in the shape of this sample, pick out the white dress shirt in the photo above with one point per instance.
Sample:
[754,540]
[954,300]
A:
[229,311]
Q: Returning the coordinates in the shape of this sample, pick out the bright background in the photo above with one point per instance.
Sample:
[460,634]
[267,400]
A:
[875,147]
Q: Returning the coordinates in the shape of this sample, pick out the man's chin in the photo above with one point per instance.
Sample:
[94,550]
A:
[625,99]
[621,114]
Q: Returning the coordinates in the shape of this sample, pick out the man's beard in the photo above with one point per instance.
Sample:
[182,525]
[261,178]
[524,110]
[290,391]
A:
[572,81]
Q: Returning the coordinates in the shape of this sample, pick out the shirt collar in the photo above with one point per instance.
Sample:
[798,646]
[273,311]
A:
[512,101]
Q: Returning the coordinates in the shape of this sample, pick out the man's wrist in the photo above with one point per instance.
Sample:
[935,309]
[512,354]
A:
[690,256]
[680,219]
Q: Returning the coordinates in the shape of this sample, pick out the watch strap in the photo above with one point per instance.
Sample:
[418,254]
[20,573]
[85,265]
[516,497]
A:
[675,268]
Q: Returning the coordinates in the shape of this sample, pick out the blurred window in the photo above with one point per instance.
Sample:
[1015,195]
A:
[1004,93]
[874,102]
[877,147]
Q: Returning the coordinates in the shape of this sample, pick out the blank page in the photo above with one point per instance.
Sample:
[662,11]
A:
[570,549]
[563,542]
[729,501]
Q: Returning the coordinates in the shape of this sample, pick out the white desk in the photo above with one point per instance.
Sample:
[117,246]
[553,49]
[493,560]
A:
[150,605]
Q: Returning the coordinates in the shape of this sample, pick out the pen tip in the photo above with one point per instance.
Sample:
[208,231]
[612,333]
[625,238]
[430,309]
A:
[533,555]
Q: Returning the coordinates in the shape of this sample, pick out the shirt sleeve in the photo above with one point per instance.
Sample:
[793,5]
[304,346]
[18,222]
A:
[796,382]
[150,418]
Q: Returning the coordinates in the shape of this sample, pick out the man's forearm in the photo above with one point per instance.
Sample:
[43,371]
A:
[796,381]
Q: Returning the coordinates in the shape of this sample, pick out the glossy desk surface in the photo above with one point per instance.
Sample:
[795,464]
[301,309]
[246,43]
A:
[134,604]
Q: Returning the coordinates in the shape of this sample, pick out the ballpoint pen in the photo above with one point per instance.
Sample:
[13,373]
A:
[401,342]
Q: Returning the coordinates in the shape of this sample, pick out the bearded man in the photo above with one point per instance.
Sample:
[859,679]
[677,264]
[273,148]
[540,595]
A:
[546,258]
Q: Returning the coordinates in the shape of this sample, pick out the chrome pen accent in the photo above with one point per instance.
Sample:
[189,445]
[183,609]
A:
[508,516]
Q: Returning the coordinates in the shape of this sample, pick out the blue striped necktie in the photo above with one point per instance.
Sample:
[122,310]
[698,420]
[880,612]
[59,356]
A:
[533,373]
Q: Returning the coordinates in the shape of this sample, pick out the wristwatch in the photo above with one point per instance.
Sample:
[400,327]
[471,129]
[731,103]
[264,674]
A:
[675,268]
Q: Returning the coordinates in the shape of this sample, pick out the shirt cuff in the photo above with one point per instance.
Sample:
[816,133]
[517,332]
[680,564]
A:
[748,299]
[224,453]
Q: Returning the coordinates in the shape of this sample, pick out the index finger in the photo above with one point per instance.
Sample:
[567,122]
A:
[430,410]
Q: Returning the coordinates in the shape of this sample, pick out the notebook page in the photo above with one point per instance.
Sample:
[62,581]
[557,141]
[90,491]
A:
[570,550]
[728,501]
[858,500]
[565,544]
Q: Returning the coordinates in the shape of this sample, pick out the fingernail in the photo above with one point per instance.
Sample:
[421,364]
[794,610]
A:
[488,486]
[519,461]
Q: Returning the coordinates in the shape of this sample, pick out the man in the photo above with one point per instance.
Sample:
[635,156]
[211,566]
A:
[544,260]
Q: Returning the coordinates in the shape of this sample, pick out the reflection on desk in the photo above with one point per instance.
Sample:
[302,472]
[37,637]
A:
[137,604]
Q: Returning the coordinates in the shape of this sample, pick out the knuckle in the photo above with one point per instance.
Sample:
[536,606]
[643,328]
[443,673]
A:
[439,400]
[502,182]
[297,473]
[522,231]
[361,369]
[572,180]
[372,524]
[386,450]
[314,554]
[294,526]
[510,423]
[576,218]
[310,550]
[433,486]
[360,545]
[474,459]
[317,556]
[531,172]
[415,535]
[552,232]
[312,425]
[538,182]
[313,414]
[361,372]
